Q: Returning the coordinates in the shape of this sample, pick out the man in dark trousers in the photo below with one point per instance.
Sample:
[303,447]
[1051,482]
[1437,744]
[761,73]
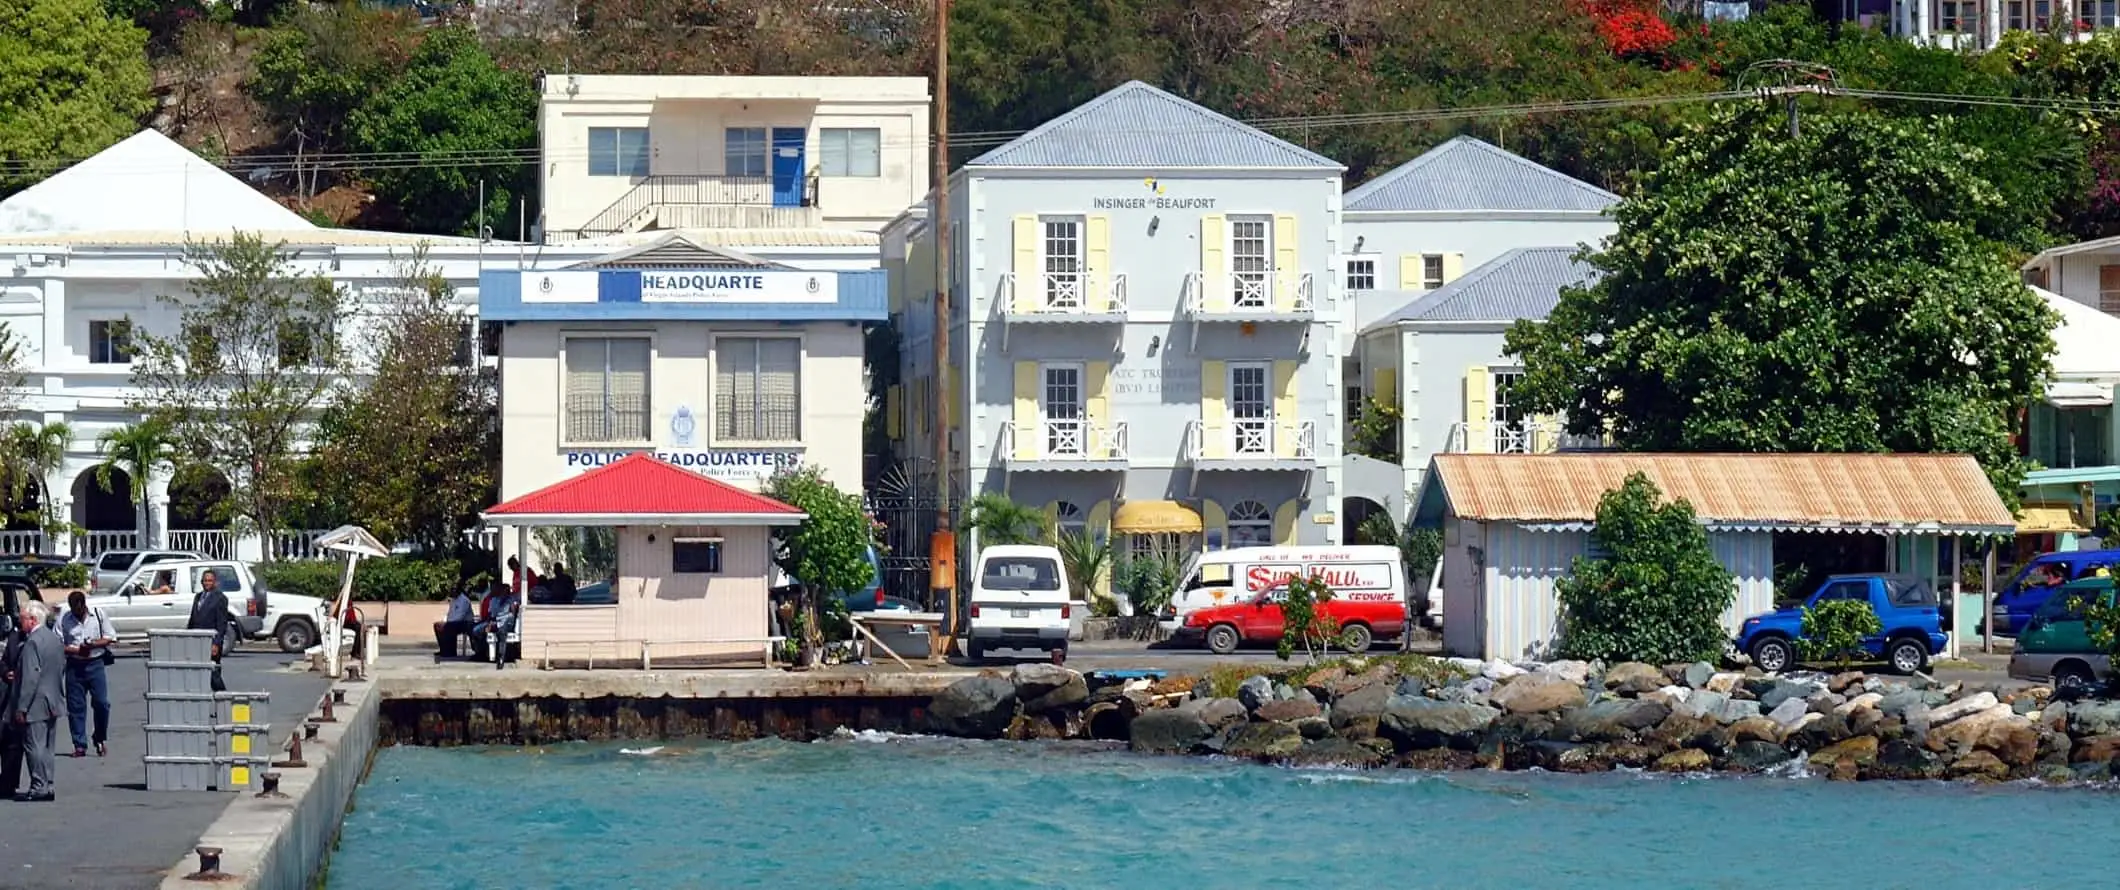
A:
[10,734]
[39,698]
[209,611]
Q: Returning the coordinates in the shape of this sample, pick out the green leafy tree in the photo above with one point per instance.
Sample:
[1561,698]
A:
[138,450]
[1304,623]
[254,353]
[452,120]
[1086,559]
[1833,631]
[30,456]
[828,552]
[589,553]
[323,63]
[1845,290]
[73,80]
[998,520]
[1658,596]
[412,452]
[1376,432]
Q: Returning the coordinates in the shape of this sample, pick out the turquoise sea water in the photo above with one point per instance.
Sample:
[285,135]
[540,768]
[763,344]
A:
[944,814]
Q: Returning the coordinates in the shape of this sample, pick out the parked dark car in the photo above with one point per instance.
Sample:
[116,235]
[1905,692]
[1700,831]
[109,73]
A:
[2021,598]
[1906,607]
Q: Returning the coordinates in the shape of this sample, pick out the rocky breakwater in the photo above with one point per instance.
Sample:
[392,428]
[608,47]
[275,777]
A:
[1561,716]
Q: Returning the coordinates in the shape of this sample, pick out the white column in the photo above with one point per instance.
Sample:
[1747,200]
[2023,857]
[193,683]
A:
[156,512]
[1993,11]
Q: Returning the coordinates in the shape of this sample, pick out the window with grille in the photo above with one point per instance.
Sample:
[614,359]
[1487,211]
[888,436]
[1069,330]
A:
[618,151]
[1956,16]
[2109,289]
[850,152]
[1069,519]
[109,342]
[757,389]
[1061,402]
[2098,13]
[1250,525]
[744,152]
[1432,271]
[1250,409]
[1251,261]
[1063,262]
[1362,274]
[303,344]
[607,389]
[1506,417]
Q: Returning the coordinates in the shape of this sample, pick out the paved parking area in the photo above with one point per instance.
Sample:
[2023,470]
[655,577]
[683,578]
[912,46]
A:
[106,830]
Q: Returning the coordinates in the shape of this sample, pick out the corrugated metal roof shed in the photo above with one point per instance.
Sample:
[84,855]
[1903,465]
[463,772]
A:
[1523,283]
[640,487]
[1886,493]
[1138,126]
[1467,174]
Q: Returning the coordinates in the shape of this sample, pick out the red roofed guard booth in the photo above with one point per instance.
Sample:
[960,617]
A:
[694,564]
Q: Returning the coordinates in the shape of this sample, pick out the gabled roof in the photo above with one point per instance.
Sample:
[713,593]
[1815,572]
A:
[1883,493]
[638,489]
[676,249]
[2083,341]
[1137,126]
[145,183]
[1465,174]
[1523,283]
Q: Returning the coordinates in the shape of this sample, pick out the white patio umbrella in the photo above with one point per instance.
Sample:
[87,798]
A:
[355,542]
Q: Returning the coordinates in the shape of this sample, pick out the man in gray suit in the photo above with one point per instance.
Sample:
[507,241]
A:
[38,698]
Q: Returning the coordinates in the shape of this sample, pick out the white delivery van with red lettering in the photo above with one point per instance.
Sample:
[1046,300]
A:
[1361,573]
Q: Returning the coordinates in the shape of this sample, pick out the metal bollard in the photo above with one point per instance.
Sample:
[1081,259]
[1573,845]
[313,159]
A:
[272,788]
[294,752]
[209,865]
[309,731]
[338,696]
[354,673]
[326,717]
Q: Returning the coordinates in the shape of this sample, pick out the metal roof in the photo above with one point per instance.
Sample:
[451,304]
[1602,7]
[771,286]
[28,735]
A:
[743,238]
[1523,283]
[1883,493]
[1467,174]
[1138,126]
[313,237]
[637,489]
[675,249]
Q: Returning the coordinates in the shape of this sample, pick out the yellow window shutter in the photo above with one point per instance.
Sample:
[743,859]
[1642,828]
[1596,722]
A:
[1097,262]
[1214,408]
[1030,280]
[1385,389]
[1028,442]
[1410,271]
[1453,266]
[1285,421]
[1284,523]
[891,426]
[1287,264]
[1214,262]
[1545,433]
[1095,408]
[1479,410]
[1214,525]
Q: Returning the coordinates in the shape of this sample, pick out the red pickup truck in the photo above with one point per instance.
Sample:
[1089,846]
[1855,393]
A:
[1361,619]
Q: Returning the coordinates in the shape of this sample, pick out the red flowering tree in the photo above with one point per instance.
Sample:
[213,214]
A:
[1632,29]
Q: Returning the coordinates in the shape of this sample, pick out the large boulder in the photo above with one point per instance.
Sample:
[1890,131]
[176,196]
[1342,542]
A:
[1471,692]
[2096,749]
[2093,718]
[1698,674]
[1615,719]
[1964,707]
[1416,723]
[1356,715]
[1500,670]
[1788,713]
[1334,751]
[1684,760]
[1862,701]
[1898,702]
[1684,731]
[1756,729]
[1902,759]
[1634,678]
[1727,682]
[1255,691]
[1756,756]
[1846,759]
[1168,731]
[1320,682]
[1264,741]
[1738,709]
[1980,765]
[978,707]
[1702,703]
[1044,687]
[1537,694]
[1784,690]
[1287,711]
[1577,672]
[1217,713]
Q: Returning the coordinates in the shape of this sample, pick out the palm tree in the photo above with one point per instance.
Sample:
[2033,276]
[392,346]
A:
[998,520]
[135,450]
[29,455]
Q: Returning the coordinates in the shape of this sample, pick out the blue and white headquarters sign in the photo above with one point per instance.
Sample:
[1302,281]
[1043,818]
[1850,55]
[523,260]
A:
[680,286]
[720,463]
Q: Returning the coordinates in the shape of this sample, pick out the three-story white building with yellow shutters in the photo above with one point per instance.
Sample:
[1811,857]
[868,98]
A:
[1144,336]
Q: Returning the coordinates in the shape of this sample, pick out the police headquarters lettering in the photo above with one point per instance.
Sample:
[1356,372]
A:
[777,286]
[709,463]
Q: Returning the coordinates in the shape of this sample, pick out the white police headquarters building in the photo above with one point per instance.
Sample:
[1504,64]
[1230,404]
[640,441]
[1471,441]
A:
[730,366]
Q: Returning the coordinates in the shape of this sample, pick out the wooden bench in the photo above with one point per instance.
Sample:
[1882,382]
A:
[938,644]
[647,648]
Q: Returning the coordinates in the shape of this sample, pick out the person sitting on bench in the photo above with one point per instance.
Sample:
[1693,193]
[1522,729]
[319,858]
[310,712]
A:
[457,624]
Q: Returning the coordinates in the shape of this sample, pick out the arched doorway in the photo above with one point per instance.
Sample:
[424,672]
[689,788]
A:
[1363,521]
[199,512]
[108,513]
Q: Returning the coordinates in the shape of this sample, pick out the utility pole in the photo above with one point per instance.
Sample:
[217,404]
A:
[1786,79]
[942,545]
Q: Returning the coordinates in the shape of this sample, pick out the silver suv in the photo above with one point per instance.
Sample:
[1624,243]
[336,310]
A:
[114,566]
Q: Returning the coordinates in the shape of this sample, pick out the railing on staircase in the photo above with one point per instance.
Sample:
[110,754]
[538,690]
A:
[631,210]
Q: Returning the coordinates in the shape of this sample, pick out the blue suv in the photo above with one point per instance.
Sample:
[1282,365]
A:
[1906,607]
[2021,599]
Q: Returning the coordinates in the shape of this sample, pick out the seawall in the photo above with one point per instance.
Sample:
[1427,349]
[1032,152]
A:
[279,842]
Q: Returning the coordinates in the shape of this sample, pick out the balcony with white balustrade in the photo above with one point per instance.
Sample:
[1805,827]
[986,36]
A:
[1252,444]
[1061,298]
[1065,446]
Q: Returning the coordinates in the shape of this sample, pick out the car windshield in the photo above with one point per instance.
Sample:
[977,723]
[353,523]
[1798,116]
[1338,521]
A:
[1021,573]
[1910,591]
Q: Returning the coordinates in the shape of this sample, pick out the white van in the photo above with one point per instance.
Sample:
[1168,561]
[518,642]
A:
[1355,572]
[1019,601]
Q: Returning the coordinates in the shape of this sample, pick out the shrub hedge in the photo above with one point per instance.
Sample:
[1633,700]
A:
[400,579]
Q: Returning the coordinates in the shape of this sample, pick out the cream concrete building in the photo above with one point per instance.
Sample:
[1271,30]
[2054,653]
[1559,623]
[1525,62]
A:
[625,153]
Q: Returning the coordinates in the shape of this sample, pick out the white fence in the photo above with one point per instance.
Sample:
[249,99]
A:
[22,542]
[213,543]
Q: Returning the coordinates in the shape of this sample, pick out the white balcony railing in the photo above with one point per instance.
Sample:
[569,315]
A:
[1066,440]
[1236,294]
[1252,439]
[93,543]
[1525,437]
[213,543]
[1066,293]
[21,541]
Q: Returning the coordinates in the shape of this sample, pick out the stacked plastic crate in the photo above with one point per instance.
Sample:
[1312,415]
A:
[197,739]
